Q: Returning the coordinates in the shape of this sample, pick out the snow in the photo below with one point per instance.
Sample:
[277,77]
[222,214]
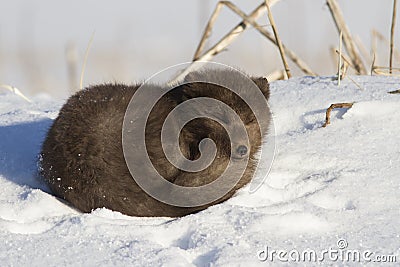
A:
[326,184]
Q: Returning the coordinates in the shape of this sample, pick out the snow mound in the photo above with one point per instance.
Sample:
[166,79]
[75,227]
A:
[339,182]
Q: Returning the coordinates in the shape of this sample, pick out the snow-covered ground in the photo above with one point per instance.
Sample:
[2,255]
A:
[328,188]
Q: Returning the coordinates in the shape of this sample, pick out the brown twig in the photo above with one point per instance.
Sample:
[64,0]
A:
[278,40]
[333,106]
[394,92]
[347,39]
[392,35]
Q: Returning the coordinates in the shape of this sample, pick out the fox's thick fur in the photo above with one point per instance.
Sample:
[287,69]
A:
[82,158]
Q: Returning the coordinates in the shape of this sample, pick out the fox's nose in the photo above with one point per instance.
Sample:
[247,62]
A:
[242,150]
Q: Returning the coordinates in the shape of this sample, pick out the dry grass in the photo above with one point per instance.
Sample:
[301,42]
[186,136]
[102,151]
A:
[376,37]
[85,61]
[248,20]
[15,91]
[353,46]
[276,75]
[353,56]
[339,74]
[278,40]
[392,35]
[71,57]
[386,71]
[347,38]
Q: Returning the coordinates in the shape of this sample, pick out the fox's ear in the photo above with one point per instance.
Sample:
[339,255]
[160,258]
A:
[263,84]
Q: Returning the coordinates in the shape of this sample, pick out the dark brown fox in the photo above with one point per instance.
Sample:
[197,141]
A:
[82,158]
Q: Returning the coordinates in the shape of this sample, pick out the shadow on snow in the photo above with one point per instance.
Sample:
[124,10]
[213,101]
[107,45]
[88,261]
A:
[20,146]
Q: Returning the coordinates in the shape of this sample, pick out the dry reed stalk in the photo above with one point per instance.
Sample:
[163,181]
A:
[333,55]
[363,50]
[346,64]
[392,35]
[276,75]
[373,63]
[301,64]
[340,57]
[344,58]
[16,91]
[248,20]
[345,67]
[207,31]
[85,60]
[385,71]
[72,63]
[333,106]
[356,83]
[234,33]
[222,43]
[374,45]
[376,35]
[278,40]
[347,39]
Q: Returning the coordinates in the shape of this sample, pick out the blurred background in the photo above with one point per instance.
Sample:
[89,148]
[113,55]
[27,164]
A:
[43,42]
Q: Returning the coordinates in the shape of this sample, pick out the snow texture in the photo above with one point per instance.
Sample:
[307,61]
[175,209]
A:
[326,184]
